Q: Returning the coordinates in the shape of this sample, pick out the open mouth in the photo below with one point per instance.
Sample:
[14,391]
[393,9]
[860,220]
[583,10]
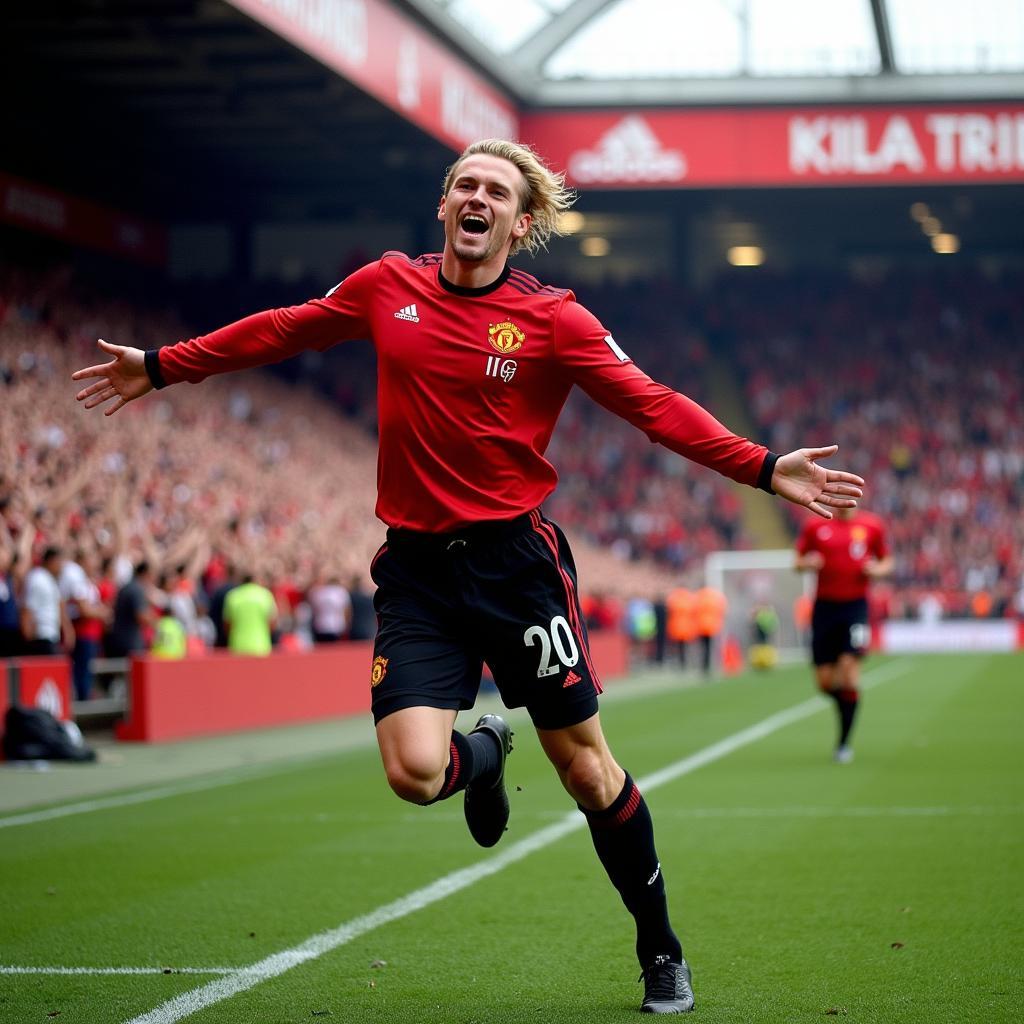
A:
[473,225]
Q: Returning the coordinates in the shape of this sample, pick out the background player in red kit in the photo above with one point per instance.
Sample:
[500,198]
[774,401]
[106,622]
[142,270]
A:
[475,361]
[847,553]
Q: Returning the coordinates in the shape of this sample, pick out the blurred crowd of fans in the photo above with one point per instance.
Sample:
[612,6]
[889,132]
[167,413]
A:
[243,477]
[921,380]
[257,477]
[619,490]
[158,512]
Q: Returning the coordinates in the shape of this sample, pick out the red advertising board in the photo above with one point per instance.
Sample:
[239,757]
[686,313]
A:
[36,683]
[390,57]
[769,147]
[220,692]
[39,208]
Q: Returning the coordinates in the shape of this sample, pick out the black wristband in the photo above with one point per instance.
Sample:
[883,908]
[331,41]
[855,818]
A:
[764,478]
[156,378]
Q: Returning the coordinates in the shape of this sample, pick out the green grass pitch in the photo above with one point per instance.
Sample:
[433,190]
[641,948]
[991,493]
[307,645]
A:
[888,890]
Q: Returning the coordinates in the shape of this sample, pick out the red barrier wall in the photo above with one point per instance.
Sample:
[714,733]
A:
[36,683]
[218,692]
[41,682]
[610,652]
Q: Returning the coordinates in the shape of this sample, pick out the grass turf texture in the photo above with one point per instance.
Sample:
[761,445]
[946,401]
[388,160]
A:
[883,891]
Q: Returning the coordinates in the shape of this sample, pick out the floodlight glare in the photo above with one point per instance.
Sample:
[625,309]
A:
[745,255]
[571,222]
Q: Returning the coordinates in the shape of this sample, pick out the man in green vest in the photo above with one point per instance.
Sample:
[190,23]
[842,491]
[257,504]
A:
[169,640]
[250,612]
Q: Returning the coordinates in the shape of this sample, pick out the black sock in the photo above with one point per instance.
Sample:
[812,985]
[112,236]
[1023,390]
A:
[836,697]
[470,758]
[623,837]
[847,701]
[486,754]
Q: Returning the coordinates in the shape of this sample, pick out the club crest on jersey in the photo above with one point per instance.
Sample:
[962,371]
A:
[379,670]
[506,337]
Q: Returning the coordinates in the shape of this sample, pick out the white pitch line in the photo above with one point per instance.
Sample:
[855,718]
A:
[187,1003]
[226,779]
[974,811]
[9,969]
[159,792]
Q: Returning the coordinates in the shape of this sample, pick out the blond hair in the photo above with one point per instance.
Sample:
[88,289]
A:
[545,196]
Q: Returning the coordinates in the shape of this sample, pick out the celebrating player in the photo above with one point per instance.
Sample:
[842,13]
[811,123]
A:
[847,553]
[475,361]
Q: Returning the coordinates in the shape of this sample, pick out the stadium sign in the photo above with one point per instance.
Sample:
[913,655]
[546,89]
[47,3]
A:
[40,208]
[390,57]
[39,682]
[952,635]
[628,152]
[761,147]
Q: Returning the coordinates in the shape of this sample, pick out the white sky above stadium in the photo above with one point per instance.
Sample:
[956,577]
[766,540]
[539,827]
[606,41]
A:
[709,38]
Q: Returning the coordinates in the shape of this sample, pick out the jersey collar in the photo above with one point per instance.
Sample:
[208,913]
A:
[485,290]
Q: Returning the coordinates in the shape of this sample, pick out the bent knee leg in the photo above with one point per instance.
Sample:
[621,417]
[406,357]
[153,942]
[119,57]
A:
[417,780]
[593,779]
[415,746]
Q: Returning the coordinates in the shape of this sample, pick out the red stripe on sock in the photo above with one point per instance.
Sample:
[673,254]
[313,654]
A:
[629,809]
[454,765]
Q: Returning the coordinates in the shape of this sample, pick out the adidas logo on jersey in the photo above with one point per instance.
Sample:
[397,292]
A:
[629,151]
[571,679]
[408,313]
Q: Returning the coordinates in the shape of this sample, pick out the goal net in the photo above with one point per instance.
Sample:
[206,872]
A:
[756,579]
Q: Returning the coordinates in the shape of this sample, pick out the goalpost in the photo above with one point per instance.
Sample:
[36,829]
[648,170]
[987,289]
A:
[749,579]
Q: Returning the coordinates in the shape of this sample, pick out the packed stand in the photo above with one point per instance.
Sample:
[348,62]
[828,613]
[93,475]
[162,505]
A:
[146,522]
[921,381]
[244,477]
[618,490]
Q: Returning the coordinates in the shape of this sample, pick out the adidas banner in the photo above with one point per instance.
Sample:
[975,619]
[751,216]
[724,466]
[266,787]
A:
[772,147]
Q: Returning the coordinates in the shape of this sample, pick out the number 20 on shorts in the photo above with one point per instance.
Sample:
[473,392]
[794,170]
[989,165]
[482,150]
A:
[558,637]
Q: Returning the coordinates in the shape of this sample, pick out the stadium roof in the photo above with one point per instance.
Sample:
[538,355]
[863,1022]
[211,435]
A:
[579,52]
[190,110]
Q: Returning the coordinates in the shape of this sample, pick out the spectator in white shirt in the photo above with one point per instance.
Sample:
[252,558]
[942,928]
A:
[331,610]
[44,619]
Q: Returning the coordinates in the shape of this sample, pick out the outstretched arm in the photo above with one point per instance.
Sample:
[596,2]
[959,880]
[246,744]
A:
[879,568]
[798,478]
[810,562]
[124,378]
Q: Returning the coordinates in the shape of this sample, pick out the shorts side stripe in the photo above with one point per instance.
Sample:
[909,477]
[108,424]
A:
[376,557]
[551,540]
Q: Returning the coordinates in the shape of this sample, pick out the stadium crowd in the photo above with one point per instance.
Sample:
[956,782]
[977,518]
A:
[246,475]
[925,389]
[259,476]
[186,494]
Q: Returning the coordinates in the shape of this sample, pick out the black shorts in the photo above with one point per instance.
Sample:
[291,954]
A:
[839,627]
[503,593]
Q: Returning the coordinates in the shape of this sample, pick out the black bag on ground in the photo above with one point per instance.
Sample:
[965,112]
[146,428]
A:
[32,734]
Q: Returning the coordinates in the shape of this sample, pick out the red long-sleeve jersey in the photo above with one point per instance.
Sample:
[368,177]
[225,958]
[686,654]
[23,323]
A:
[470,384]
[845,545]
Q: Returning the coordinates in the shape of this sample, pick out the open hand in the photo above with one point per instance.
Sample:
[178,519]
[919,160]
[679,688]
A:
[124,378]
[799,478]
